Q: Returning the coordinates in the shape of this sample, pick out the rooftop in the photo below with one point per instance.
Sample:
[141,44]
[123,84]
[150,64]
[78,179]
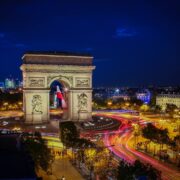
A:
[58,53]
[169,95]
[57,58]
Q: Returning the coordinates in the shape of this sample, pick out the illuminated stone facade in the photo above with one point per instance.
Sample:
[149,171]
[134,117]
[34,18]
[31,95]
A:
[164,99]
[74,72]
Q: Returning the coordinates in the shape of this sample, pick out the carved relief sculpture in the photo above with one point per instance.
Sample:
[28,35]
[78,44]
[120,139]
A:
[82,101]
[69,78]
[72,70]
[37,104]
[36,82]
[80,82]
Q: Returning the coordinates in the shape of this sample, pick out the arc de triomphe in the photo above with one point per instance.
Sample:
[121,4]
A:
[73,71]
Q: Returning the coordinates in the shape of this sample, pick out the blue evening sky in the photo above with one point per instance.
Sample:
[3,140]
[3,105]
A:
[134,42]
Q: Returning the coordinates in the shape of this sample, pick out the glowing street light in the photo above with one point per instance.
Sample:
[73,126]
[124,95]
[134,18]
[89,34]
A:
[5,104]
[109,103]
[20,103]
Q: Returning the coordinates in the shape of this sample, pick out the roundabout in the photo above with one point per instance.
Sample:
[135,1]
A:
[101,123]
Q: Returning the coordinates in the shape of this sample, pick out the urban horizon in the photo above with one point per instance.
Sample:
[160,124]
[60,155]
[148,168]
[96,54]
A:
[89,90]
[132,45]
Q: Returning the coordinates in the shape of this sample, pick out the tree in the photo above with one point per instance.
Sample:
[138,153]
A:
[177,140]
[68,133]
[136,101]
[11,98]
[156,109]
[153,98]
[170,109]
[99,102]
[156,135]
[137,170]
[149,132]
[38,150]
[98,161]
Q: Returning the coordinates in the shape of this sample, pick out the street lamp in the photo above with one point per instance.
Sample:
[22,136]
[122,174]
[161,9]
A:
[5,104]
[109,103]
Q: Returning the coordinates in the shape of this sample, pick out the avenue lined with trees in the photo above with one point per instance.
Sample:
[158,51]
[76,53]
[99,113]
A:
[99,160]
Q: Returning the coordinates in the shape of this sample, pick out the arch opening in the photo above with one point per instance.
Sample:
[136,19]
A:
[59,100]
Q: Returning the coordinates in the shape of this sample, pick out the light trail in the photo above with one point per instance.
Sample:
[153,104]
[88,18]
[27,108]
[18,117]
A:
[126,152]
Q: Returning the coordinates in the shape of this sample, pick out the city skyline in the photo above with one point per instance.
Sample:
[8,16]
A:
[133,43]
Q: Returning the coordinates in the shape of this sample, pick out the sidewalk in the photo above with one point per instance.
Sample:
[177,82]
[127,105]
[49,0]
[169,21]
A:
[61,167]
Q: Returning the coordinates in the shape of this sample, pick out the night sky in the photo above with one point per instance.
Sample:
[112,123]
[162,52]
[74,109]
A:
[134,42]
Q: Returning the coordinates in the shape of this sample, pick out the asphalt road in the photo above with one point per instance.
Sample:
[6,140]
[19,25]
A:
[124,149]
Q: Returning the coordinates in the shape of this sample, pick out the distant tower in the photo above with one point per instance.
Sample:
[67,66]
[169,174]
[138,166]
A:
[9,83]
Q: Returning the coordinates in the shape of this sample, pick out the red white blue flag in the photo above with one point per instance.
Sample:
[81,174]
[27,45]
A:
[60,96]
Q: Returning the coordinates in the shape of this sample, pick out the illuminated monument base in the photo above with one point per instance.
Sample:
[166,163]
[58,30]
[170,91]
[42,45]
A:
[74,72]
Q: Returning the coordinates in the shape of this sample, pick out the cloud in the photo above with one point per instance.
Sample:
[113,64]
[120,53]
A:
[124,32]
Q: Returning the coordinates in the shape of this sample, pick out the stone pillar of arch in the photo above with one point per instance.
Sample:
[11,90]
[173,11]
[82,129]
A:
[72,70]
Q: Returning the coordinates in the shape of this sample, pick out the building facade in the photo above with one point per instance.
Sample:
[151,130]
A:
[144,96]
[163,99]
[9,83]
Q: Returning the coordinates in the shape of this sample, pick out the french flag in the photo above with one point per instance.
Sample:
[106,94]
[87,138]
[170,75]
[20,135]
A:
[60,96]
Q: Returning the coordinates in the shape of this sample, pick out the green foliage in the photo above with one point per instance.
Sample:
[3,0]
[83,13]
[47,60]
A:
[149,132]
[128,171]
[170,109]
[100,101]
[98,160]
[157,109]
[175,142]
[136,101]
[83,143]
[117,103]
[153,99]
[10,98]
[85,151]
[70,136]
[155,134]
[38,150]
[68,133]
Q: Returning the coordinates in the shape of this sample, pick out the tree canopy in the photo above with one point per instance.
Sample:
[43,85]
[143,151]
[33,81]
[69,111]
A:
[38,150]
[137,170]
[68,133]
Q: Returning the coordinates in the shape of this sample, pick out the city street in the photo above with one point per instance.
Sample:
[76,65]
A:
[123,148]
[61,167]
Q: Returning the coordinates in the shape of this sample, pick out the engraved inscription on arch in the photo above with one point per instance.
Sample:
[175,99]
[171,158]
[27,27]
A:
[36,82]
[82,82]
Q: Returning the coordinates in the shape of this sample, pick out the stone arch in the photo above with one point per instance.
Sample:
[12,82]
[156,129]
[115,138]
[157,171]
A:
[66,81]
[72,70]
[66,84]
